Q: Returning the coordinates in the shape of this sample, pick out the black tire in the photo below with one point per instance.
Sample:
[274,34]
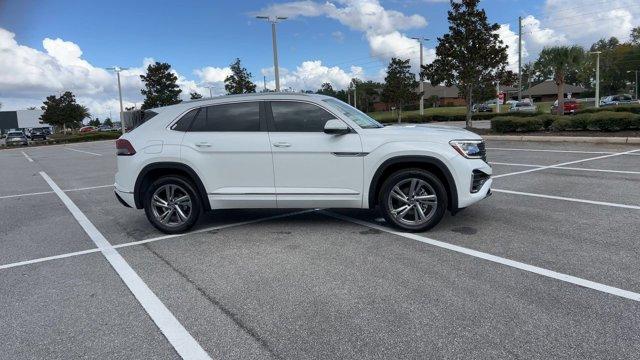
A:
[436,212]
[181,185]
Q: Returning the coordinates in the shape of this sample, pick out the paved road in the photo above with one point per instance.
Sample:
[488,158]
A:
[313,285]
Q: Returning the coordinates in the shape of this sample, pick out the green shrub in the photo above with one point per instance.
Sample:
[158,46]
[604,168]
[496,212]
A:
[562,123]
[580,121]
[612,121]
[504,124]
[547,120]
[635,109]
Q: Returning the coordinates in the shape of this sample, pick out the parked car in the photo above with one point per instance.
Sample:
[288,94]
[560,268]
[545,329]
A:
[523,106]
[289,150]
[481,108]
[38,134]
[16,138]
[571,106]
[87,129]
[511,102]
[620,99]
[104,128]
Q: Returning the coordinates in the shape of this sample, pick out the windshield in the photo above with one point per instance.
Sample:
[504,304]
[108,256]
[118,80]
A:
[363,120]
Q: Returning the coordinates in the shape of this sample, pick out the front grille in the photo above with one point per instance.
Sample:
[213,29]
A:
[478,178]
[483,151]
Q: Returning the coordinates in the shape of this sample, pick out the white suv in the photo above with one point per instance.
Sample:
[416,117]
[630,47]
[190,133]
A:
[285,150]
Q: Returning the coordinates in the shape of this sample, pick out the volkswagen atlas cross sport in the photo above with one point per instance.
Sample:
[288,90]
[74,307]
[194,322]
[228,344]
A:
[286,150]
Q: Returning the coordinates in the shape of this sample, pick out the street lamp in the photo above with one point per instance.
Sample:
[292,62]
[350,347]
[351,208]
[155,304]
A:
[117,70]
[419,39]
[273,21]
[635,93]
[597,77]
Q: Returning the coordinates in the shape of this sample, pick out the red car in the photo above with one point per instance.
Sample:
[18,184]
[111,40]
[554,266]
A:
[87,129]
[571,106]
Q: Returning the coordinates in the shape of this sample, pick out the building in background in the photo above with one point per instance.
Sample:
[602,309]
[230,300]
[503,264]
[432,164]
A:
[548,91]
[20,119]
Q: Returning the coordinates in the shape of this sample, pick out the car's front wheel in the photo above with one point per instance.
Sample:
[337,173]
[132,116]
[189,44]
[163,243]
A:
[413,200]
[172,204]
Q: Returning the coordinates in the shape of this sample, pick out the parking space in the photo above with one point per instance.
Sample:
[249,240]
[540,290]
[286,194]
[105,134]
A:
[546,267]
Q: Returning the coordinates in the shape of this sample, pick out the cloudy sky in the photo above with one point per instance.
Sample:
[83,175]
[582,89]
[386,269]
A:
[53,46]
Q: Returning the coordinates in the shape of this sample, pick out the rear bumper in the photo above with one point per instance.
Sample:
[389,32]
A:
[125,198]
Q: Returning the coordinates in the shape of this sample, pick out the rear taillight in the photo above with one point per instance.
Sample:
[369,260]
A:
[124,148]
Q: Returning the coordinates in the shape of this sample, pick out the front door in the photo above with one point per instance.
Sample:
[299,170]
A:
[230,147]
[313,169]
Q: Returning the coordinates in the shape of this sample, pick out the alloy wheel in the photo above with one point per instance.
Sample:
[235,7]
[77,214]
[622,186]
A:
[171,205]
[412,202]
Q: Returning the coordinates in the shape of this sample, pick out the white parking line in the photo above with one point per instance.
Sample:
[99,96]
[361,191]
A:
[566,163]
[27,156]
[186,346]
[500,260]
[83,151]
[556,151]
[51,192]
[567,168]
[567,199]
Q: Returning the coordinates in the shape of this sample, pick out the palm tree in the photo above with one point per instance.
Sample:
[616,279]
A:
[560,60]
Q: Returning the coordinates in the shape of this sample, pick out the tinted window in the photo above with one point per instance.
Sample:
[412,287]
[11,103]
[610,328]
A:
[228,117]
[297,116]
[185,121]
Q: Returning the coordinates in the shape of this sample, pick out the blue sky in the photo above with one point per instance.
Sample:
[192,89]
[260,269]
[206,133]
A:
[322,41]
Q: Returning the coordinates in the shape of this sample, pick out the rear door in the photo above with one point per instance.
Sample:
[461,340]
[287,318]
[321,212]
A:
[228,145]
[313,169]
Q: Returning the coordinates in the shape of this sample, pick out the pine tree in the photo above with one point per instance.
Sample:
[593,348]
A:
[161,88]
[239,82]
[470,55]
[400,85]
[195,95]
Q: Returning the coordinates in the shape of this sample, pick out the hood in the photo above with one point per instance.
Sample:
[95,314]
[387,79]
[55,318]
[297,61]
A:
[425,132]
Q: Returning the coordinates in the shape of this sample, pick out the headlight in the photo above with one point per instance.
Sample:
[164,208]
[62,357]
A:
[471,149]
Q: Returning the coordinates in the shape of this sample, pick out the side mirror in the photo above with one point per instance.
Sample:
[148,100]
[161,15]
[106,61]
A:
[336,127]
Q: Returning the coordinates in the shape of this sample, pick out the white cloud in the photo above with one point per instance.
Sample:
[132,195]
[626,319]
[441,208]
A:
[381,26]
[338,36]
[310,75]
[29,75]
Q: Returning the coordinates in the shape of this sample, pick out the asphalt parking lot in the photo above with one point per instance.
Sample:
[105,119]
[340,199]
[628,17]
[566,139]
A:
[548,267]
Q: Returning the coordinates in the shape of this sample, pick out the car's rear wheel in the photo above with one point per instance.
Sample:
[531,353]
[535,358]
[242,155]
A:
[413,200]
[172,204]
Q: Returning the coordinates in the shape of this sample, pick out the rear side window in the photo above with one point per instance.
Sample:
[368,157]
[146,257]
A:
[185,121]
[228,117]
[291,116]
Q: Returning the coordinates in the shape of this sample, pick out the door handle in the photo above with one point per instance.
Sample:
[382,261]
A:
[203,144]
[281,144]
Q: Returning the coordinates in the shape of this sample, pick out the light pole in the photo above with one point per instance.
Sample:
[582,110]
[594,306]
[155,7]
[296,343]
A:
[635,92]
[597,77]
[117,70]
[210,92]
[273,21]
[421,77]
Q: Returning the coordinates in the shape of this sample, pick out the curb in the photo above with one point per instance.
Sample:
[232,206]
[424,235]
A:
[575,139]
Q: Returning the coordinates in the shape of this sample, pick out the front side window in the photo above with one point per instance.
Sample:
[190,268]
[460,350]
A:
[243,116]
[363,120]
[292,116]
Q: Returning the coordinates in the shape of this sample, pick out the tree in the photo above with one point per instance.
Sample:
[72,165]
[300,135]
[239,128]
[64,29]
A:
[470,54]
[560,60]
[108,122]
[635,36]
[130,108]
[63,111]
[239,82]
[195,95]
[400,85]
[95,122]
[326,89]
[31,108]
[161,88]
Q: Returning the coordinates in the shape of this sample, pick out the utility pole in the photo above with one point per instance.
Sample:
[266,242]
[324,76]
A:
[273,21]
[635,85]
[355,94]
[421,77]
[519,58]
[264,82]
[498,98]
[597,77]
[117,70]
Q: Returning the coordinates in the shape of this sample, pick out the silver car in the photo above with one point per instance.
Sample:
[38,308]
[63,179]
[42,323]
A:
[523,107]
[17,138]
